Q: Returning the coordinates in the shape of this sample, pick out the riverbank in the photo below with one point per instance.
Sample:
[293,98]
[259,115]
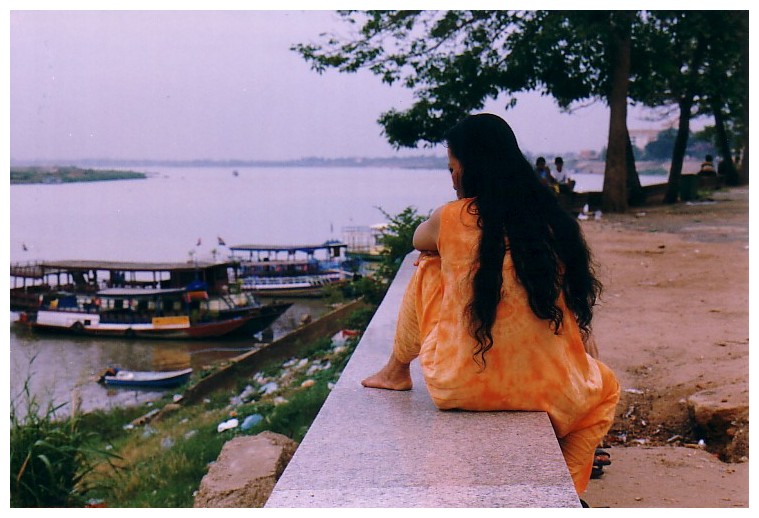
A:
[673,322]
[161,450]
[52,175]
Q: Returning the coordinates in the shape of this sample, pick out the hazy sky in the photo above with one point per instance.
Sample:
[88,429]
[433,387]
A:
[217,85]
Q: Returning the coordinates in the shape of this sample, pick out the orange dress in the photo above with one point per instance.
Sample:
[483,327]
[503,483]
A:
[528,368]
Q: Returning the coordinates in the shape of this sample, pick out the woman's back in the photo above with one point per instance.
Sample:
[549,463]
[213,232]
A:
[529,366]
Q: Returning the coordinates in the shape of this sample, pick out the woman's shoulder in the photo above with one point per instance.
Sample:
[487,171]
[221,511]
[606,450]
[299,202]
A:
[456,204]
[459,212]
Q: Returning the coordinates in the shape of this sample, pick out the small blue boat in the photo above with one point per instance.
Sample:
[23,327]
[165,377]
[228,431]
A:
[155,379]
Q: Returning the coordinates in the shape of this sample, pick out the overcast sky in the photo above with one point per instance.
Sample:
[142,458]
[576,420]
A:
[218,85]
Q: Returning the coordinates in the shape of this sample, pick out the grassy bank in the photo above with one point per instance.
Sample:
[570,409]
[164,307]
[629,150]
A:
[52,175]
[128,461]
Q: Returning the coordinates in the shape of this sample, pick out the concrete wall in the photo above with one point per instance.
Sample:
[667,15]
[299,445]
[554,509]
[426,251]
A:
[377,448]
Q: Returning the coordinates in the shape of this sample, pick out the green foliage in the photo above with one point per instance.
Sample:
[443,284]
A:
[334,295]
[360,318]
[661,147]
[110,423]
[49,458]
[697,61]
[294,418]
[397,240]
[371,288]
[169,477]
[452,59]
[455,61]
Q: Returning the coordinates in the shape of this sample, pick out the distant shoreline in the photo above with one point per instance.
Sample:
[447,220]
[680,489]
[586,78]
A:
[97,171]
[59,175]
[576,164]
[420,162]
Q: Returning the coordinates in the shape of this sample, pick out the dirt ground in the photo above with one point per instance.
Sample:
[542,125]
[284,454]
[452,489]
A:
[673,321]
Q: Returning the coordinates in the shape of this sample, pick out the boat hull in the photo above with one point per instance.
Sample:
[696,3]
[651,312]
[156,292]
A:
[293,292]
[313,286]
[147,379]
[172,328]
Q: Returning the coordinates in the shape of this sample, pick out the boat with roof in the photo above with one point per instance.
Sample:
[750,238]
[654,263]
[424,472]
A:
[142,300]
[292,270]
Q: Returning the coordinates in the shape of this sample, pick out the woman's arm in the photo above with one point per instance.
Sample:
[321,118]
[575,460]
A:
[426,234]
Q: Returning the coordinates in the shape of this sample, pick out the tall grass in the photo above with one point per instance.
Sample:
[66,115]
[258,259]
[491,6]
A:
[49,458]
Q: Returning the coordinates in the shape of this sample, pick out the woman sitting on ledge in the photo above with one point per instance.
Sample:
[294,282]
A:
[500,306]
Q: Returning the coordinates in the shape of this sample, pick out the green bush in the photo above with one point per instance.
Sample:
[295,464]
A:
[372,289]
[360,318]
[397,240]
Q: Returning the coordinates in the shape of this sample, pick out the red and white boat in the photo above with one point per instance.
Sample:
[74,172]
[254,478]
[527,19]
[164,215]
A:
[154,306]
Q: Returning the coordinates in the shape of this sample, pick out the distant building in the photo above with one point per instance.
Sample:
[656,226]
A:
[587,154]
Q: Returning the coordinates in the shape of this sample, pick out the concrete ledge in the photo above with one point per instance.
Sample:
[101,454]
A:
[376,448]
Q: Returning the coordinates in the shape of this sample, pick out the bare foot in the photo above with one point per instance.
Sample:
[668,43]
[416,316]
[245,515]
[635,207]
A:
[393,376]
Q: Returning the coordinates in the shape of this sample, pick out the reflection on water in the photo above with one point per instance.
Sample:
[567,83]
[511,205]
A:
[57,368]
[60,367]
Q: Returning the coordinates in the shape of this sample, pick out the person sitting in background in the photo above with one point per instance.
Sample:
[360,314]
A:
[566,184]
[544,174]
[707,167]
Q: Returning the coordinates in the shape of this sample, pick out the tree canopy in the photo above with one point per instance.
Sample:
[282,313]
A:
[698,74]
[456,61]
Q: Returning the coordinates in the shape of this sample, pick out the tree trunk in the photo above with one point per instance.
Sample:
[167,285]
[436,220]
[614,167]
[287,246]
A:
[723,144]
[678,151]
[614,195]
[683,127]
[743,173]
[635,194]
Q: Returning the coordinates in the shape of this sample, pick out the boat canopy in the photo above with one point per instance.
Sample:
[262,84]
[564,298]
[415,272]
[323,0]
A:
[332,250]
[138,292]
[290,249]
[90,276]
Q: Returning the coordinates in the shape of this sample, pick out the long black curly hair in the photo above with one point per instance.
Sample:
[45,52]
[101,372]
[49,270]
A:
[518,214]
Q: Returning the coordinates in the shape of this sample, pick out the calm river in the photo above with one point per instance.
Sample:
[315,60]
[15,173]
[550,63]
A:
[163,218]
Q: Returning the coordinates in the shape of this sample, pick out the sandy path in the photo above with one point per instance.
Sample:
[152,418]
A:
[673,321]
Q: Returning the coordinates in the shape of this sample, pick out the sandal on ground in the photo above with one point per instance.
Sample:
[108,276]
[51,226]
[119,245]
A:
[602,458]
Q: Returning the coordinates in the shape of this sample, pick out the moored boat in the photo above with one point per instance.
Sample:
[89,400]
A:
[171,302]
[156,379]
[292,270]
[313,285]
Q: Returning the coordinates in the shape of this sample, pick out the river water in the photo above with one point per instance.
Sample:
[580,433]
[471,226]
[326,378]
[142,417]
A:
[177,214]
